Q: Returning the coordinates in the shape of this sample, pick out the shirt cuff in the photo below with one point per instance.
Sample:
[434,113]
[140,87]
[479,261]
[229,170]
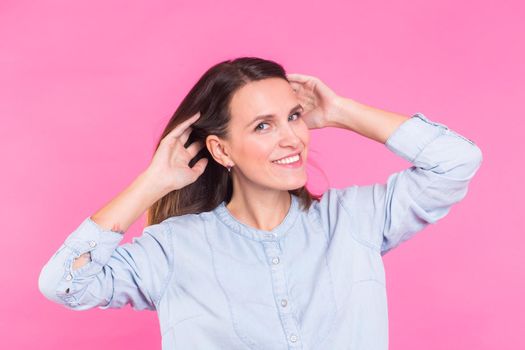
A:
[413,135]
[58,281]
[92,238]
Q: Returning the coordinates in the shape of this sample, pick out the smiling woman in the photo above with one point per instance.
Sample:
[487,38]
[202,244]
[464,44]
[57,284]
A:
[265,126]
[249,116]
[237,252]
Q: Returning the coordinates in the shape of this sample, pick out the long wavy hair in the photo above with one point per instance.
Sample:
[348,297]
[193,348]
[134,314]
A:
[211,95]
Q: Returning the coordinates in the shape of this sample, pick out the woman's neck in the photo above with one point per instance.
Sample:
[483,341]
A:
[261,209]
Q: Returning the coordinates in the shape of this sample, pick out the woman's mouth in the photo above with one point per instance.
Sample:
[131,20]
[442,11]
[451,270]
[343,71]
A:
[289,162]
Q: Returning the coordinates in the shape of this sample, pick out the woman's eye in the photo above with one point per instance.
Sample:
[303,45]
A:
[257,127]
[298,115]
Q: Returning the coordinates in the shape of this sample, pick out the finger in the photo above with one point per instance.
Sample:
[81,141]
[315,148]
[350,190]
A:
[296,86]
[179,129]
[200,166]
[185,135]
[194,148]
[307,105]
[302,93]
[307,102]
[301,78]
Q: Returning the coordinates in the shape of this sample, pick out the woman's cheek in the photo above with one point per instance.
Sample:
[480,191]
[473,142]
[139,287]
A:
[305,134]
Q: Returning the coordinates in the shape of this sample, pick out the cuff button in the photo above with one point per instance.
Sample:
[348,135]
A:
[92,244]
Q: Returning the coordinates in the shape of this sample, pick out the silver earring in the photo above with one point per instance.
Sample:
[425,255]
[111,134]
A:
[229,167]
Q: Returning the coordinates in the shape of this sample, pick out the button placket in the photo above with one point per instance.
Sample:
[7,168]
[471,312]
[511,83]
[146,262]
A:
[290,326]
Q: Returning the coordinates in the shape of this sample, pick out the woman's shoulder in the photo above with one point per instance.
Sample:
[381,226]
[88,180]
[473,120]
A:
[353,202]
[333,196]
[182,223]
[327,204]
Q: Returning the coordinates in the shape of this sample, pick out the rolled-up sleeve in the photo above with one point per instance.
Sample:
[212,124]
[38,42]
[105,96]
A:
[133,273]
[444,162]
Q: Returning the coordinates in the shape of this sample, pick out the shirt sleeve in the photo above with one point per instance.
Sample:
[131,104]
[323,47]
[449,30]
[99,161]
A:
[133,273]
[444,162]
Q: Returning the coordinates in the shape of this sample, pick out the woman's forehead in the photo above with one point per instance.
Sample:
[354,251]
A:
[267,96]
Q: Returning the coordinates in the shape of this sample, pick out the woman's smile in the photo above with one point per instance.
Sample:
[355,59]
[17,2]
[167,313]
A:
[290,162]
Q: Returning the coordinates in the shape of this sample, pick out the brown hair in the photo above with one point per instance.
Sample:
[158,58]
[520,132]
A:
[211,96]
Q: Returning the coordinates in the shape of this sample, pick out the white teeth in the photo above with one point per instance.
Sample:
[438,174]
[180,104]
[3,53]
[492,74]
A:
[287,160]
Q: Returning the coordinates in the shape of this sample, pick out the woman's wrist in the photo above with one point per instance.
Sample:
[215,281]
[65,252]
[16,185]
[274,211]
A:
[123,210]
[343,110]
[365,120]
[150,186]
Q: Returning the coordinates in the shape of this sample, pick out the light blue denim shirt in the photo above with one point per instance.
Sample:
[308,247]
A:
[316,281]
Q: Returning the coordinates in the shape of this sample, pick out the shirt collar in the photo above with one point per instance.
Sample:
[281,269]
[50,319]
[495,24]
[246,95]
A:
[250,232]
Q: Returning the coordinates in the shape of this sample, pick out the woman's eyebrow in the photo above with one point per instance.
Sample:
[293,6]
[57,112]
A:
[271,116]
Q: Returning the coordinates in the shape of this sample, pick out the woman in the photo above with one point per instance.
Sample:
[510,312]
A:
[237,253]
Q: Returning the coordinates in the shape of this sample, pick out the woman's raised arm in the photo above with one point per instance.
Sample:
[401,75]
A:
[383,215]
[444,163]
[90,268]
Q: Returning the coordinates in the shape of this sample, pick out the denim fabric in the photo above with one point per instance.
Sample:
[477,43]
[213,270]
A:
[316,281]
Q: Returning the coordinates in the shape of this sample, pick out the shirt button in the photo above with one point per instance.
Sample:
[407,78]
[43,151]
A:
[275,260]
[92,244]
[293,338]
[284,302]
[69,277]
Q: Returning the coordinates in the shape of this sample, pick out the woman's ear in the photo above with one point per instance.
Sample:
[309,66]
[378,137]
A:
[218,150]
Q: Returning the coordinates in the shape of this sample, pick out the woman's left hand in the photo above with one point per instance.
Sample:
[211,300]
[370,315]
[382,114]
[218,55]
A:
[319,101]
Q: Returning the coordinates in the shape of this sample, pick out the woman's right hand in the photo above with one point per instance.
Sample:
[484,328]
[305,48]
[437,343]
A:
[169,169]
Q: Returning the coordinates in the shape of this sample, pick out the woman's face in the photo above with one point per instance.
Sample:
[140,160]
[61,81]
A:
[266,125]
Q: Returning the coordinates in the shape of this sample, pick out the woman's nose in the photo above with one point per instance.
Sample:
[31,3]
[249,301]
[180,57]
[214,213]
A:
[289,137]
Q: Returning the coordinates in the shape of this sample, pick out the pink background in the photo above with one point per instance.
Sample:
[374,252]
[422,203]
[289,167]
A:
[87,87]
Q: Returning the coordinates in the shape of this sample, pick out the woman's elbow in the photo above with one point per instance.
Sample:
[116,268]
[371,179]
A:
[49,281]
[473,160]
